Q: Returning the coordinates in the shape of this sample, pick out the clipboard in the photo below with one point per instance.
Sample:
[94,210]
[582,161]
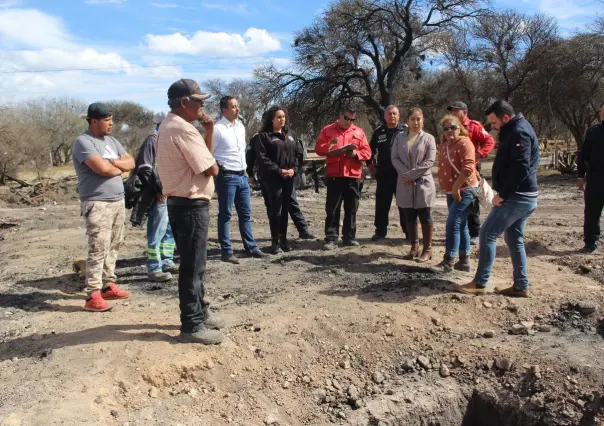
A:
[343,149]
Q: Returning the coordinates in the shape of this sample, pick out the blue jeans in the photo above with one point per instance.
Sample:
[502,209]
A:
[509,218]
[160,241]
[458,233]
[234,189]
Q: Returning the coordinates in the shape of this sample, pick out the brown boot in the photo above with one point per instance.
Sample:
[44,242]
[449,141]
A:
[427,237]
[511,292]
[471,288]
[412,232]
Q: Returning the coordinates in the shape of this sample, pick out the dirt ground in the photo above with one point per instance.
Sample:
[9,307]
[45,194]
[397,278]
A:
[356,336]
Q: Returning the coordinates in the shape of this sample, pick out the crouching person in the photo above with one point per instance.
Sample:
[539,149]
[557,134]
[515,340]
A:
[99,161]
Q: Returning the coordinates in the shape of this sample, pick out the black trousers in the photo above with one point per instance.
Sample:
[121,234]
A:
[425,216]
[594,204]
[292,207]
[474,216]
[385,191]
[190,225]
[340,190]
[278,192]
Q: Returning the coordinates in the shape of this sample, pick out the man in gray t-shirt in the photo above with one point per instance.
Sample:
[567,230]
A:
[92,185]
[99,161]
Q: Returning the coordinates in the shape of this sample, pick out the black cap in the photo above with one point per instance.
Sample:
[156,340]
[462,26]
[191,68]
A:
[457,105]
[98,110]
[185,87]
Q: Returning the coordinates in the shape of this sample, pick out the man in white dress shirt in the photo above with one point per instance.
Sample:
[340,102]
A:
[232,183]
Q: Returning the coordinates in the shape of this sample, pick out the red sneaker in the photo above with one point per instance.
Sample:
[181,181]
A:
[96,303]
[113,292]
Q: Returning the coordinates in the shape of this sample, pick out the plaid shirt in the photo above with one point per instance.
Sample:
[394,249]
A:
[182,157]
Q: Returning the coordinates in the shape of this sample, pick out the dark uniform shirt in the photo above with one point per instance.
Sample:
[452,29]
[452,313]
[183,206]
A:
[591,157]
[381,144]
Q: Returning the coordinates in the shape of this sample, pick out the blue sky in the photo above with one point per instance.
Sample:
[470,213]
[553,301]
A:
[198,39]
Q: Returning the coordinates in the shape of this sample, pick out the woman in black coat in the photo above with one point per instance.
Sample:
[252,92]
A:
[278,162]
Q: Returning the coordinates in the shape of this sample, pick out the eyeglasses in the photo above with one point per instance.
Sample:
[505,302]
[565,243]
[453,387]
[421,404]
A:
[348,118]
[453,127]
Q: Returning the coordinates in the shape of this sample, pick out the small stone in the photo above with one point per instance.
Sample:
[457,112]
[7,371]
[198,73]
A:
[436,321]
[359,403]
[408,365]
[378,377]
[424,362]
[98,400]
[336,384]
[114,414]
[15,359]
[193,393]
[319,395]
[270,420]
[444,371]
[153,392]
[306,379]
[286,385]
[544,328]
[518,329]
[528,324]
[47,353]
[490,364]
[586,307]
[455,296]
[489,334]
[512,308]
[342,415]
[353,392]
[345,364]
[487,305]
[504,364]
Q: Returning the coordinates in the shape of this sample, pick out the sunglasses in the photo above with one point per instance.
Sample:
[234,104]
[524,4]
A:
[349,118]
[454,127]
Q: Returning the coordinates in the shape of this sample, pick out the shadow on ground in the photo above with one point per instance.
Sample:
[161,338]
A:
[35,346]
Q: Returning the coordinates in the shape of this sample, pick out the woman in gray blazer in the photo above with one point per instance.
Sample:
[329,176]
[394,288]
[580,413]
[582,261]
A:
[413,154]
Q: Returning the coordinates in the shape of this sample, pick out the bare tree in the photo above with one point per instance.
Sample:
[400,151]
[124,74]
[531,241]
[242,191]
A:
[511,45]
[59,120]
[251,106]
[131,123]
[359,51]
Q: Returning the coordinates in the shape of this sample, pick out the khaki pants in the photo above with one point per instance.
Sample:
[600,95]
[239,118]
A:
[105,230]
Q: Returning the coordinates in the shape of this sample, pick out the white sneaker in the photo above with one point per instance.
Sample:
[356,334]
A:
[474,241]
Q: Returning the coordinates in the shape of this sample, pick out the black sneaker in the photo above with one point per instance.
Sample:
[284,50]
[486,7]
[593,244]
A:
[589,248]
[275,249]
[305,235]
[257,253]
[205,336]
[378,237]
[351,243]
[285,246]
[230,258]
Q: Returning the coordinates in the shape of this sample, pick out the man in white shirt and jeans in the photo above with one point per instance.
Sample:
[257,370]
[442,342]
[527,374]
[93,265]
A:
[232,183]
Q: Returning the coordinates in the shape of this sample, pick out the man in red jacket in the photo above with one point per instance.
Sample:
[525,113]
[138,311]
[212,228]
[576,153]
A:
[345,146]
[483,144]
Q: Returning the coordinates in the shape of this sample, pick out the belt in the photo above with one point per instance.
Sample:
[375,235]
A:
[182,201]
[232,172]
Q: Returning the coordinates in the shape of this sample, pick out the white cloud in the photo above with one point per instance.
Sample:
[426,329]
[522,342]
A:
[253,42]
[564,10]
[239,8]
[9,3]
[116,2]
[164,5]
[42,30]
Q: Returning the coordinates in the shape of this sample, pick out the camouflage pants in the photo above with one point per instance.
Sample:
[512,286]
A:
[105,230]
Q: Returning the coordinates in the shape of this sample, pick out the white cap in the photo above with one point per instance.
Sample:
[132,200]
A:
[159,117]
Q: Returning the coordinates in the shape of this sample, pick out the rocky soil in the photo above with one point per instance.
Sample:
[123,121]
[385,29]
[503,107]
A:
[357,336]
